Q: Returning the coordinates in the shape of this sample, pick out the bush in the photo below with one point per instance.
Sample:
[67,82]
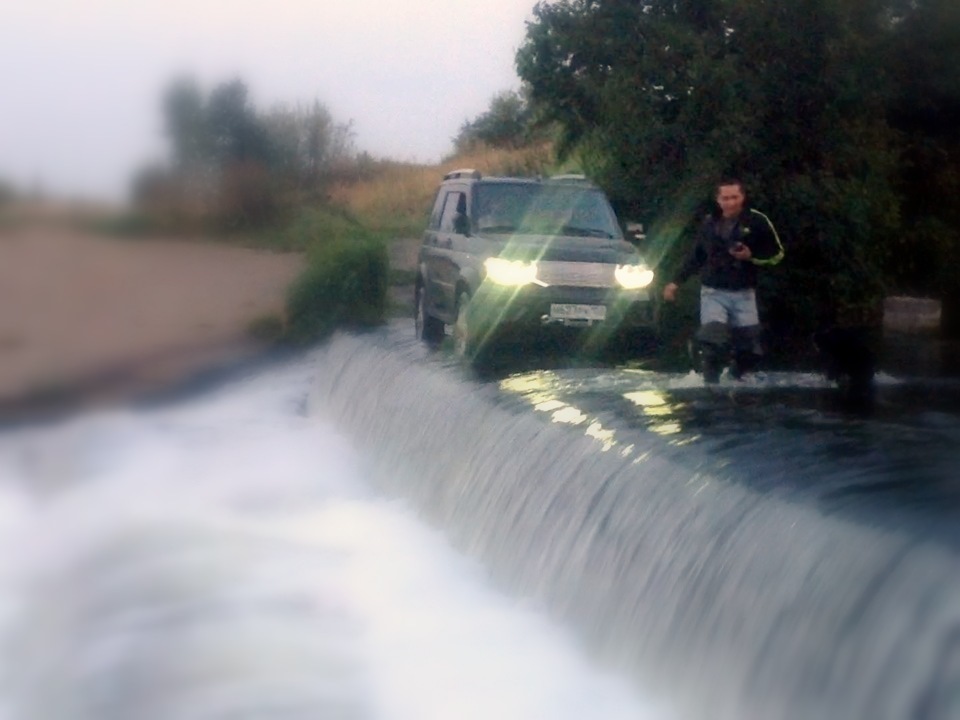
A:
[344,285]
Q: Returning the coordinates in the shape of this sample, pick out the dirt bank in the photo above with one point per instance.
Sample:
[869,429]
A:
[86,320]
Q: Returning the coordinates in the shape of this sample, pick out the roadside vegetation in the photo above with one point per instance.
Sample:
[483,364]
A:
[840,116]
[346,284]
[289,179]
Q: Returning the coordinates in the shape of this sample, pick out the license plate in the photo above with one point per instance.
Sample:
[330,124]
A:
[569,311]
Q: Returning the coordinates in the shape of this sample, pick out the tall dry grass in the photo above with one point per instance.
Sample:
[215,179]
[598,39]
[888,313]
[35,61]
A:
[396,200]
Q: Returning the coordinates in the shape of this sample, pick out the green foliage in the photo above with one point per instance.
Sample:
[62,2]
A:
[309,227]
[344,286]
[506,124]
[925,109]
[659,99]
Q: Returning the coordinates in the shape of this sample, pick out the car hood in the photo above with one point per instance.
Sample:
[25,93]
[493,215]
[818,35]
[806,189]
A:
[562,248]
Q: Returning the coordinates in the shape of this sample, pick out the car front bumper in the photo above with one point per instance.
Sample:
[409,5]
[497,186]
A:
[532,307]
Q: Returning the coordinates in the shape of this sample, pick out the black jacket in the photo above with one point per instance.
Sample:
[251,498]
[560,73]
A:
[711,254]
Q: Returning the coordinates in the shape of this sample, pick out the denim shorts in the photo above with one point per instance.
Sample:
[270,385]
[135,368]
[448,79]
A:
[736,308]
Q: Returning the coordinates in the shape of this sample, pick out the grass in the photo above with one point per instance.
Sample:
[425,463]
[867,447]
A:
[310,227]
[395,201]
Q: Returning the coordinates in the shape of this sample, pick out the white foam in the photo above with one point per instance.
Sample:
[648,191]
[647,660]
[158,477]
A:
[226,559]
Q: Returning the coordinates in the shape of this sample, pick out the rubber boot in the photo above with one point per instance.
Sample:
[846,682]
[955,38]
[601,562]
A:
[713,341]
[711,362]
[747,351]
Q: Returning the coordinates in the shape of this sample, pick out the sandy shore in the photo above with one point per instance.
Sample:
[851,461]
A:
[86,320]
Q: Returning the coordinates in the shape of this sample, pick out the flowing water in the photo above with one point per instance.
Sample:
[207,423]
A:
[228,558]
[372,532]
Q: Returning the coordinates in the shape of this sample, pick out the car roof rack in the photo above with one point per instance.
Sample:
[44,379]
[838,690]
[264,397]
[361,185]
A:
[462,173]
[570,177]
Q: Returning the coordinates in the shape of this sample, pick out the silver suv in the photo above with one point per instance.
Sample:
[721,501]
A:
[510,257]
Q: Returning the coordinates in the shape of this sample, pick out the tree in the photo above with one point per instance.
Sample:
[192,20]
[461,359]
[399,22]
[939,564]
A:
[185,122]
[308,145]
[925,109]
[230,162]
[217,130]
[506,124]
[236,133]
[662,97]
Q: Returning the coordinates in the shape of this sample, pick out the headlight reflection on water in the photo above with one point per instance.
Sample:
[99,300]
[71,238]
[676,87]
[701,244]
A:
[543,389]
[536,389]
[654,405]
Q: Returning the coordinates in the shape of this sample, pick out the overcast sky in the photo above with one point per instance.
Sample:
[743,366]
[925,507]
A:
[81,79]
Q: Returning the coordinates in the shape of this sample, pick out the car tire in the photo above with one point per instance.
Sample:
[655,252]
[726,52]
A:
[471,347]
[430,330]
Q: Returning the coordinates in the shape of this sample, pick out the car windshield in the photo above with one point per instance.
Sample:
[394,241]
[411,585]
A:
[542,209]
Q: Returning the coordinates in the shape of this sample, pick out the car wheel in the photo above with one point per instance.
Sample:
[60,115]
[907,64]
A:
[469,344]
[429,329]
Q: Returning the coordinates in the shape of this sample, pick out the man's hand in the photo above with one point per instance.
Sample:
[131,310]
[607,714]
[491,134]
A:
[741,252]
[670,292]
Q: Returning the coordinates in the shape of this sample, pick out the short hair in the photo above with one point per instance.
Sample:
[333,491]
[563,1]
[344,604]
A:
[724,181]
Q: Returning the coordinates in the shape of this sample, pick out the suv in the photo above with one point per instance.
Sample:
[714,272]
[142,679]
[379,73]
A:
[504,256]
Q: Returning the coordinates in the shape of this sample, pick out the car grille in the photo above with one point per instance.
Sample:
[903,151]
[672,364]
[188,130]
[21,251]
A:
[576,274]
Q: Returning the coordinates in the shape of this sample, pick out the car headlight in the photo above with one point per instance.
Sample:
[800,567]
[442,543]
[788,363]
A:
[633,277]
[510,272]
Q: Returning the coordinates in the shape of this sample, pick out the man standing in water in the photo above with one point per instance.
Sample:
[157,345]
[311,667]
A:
[731,243]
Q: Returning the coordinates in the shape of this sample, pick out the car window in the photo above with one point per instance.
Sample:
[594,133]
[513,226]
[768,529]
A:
[531,208]
[435,213]
[454,201]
